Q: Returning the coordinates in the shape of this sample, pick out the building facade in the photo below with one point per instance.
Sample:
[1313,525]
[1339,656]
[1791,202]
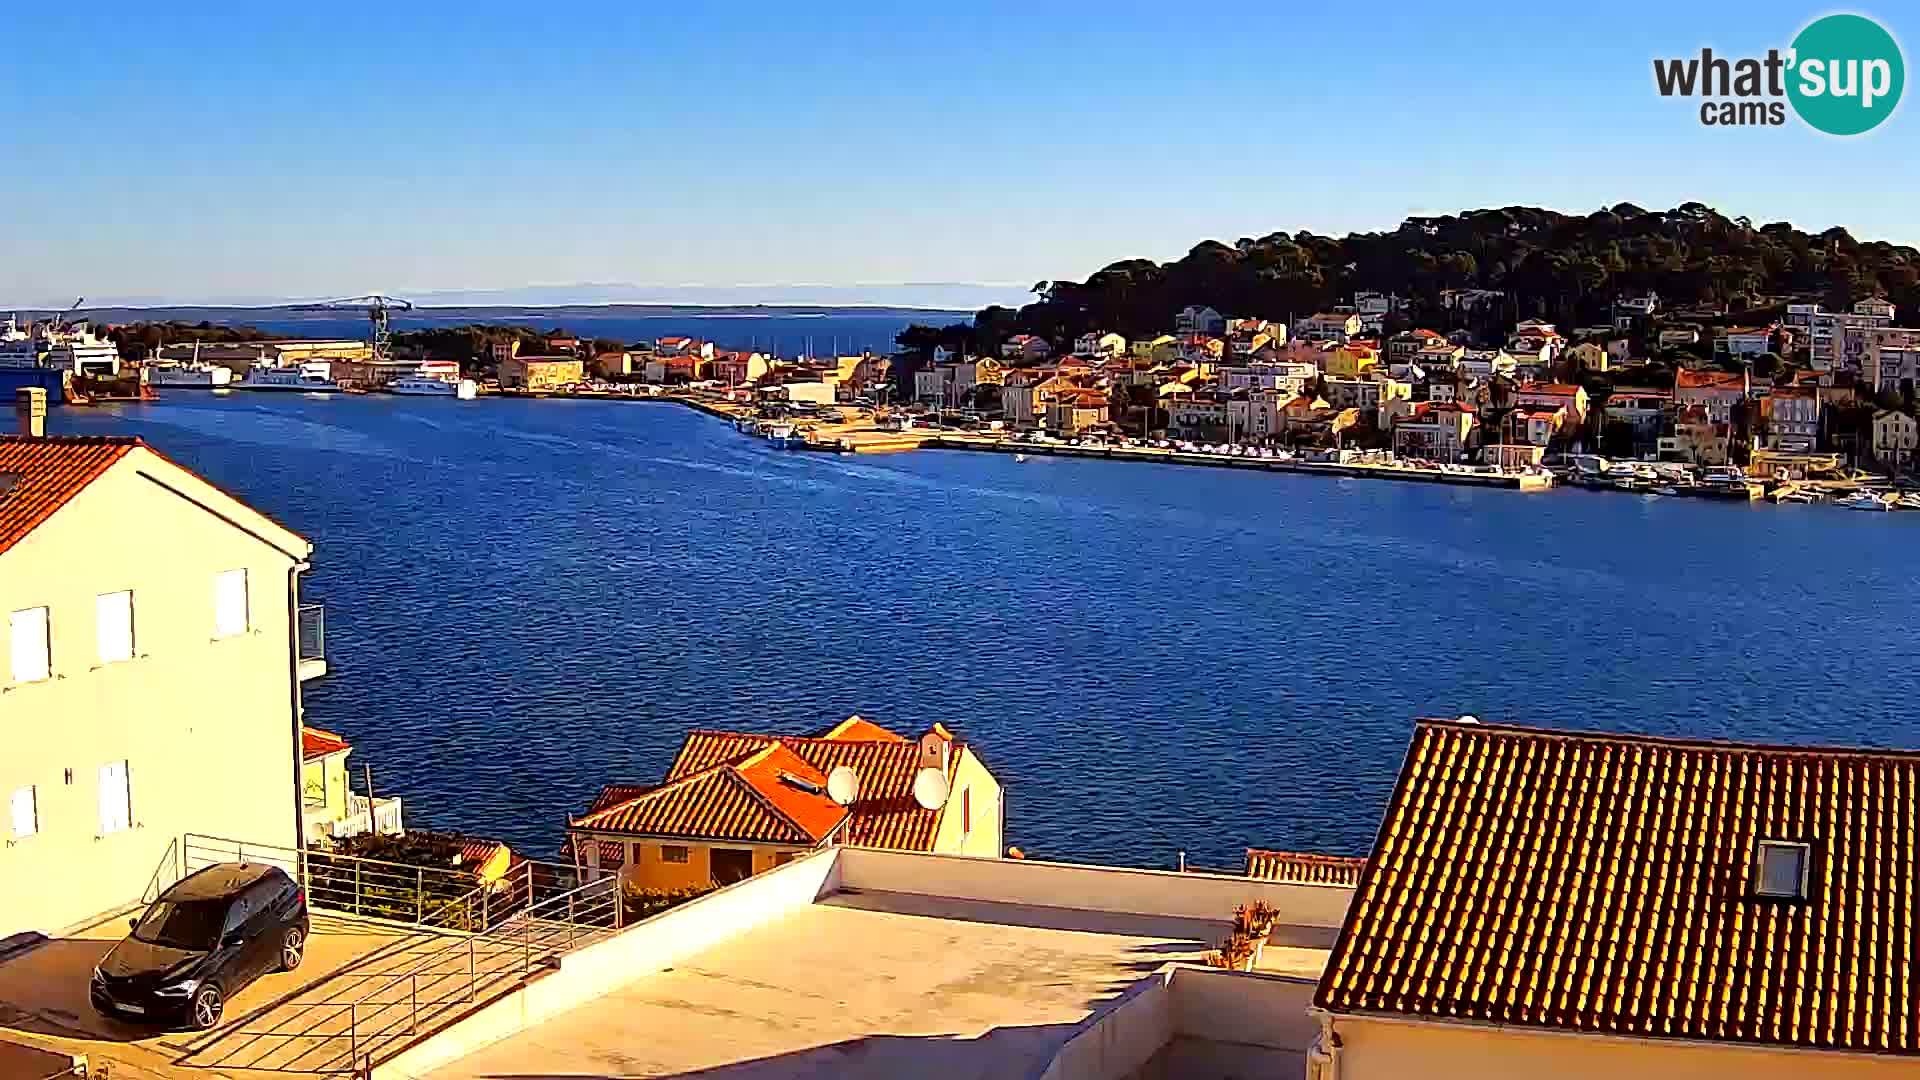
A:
[734,804]
[150,692]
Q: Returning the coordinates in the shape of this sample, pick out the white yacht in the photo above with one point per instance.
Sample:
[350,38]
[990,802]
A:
[189,376]
[433,386]
[313,377]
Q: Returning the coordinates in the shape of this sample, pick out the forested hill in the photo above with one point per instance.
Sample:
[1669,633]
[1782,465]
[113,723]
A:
[1561,267]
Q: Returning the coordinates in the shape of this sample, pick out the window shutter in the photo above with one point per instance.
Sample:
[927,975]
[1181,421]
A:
[230,603]
[27,630]
[115,804]
[113,625]
[26,815]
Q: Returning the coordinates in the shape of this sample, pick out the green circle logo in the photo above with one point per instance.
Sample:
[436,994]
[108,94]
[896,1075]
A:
[1847,74]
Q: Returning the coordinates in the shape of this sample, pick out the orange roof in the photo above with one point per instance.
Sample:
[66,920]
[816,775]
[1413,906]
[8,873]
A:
[1718,380]
[1606,884]
[768,796]
[857,728]
[316,744]
[1304,868]
[1556,389]
[885,815]
[46,472]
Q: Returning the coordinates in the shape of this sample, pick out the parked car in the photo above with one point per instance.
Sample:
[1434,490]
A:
[204,940]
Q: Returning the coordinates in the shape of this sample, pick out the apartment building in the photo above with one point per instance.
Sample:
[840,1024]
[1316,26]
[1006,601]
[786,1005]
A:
[150,691]
[1837,340]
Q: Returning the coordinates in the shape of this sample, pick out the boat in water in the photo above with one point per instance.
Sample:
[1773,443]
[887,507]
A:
[1019,459]
[781,436]
[434,386]
[1863,500]
[311,377]
[188,376]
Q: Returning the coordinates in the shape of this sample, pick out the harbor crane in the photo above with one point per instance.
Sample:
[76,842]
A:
[376,306]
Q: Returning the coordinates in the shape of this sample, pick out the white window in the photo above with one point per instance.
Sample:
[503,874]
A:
[113,625]
[27,630]
[26,813]
[1781,869]
[116,803]
[229,603]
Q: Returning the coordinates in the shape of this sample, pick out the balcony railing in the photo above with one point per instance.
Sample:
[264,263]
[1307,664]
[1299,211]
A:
[311,625]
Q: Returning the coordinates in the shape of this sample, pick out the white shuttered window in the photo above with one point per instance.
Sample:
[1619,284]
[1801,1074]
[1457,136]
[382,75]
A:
[229,603]
[27,640]
[113,625]
[116,802]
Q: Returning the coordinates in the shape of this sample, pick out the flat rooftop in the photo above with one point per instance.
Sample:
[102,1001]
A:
[860,984]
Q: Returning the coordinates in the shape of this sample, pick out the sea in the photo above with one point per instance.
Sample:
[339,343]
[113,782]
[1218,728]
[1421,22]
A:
[528,599]
[784,331]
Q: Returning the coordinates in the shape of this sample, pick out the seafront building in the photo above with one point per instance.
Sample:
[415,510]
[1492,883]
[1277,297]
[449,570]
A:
[734,804]
[127,676]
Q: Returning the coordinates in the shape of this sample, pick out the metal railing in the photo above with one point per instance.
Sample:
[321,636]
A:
[348,884]
[311,624]
[456,967]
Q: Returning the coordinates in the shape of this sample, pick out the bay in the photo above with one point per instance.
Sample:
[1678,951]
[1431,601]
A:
[528,599]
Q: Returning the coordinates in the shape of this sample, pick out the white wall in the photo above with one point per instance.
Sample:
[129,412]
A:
[1208,1021]
[1089,888]
[642,949]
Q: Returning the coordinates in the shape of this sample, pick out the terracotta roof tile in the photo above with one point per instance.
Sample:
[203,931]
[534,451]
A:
[1604,883]
[316,744]
[46,472]
[746,798]
[885,815]
[1301,867]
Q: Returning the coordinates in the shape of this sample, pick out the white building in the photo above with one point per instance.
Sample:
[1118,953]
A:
[1286,377]
[1837,340]
[1892,358]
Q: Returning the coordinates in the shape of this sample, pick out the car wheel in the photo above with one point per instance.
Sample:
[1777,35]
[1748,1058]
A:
[205,1010]
[291,948]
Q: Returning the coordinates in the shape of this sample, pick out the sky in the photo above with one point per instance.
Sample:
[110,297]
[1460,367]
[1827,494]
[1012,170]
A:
[235,154]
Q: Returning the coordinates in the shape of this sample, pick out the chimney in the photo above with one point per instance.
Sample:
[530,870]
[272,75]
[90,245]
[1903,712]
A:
[30,405]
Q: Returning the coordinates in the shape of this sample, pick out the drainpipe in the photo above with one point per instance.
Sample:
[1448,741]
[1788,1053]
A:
[298,721]
[1323,1057]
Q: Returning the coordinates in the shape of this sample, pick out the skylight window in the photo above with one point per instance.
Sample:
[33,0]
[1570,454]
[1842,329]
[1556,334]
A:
[1780,869]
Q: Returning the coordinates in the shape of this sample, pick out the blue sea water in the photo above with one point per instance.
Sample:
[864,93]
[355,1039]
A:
[527,599]
[827,332]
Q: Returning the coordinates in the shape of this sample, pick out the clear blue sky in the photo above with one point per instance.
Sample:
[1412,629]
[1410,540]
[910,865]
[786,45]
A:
[251,152]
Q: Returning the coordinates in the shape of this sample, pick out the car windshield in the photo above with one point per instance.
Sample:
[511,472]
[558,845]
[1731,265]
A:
[191,924]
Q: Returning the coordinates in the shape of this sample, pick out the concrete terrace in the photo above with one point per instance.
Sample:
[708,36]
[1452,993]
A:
[876,985]
[862,963]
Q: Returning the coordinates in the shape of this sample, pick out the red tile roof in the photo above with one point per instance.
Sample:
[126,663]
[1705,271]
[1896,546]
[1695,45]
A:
[1301,867]
[1605,884]
[316,744]
[885,815]
[47,472]
[770,796]
[1717,380]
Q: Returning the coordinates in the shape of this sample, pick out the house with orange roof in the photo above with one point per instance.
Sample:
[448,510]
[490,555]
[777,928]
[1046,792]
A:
[1569,396]
[145,694]
[1720,392]
[1435,431]
[1327,326]
[1548,903]
[734,804]
[331,810]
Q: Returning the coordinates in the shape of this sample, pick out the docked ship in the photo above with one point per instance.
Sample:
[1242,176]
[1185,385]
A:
[314,377]
[189,376]
[433,386]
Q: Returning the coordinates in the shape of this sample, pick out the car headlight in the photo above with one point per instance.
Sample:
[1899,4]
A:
[179,989]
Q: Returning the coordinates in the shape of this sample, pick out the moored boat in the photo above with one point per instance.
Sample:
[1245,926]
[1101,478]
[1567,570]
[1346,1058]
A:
[311,377]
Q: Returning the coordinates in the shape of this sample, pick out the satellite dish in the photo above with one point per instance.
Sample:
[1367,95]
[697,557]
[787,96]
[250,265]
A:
[930,788]
[1469,718]
[843,785]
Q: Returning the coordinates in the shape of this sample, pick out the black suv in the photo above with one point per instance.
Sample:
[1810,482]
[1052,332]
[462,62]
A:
[205,939]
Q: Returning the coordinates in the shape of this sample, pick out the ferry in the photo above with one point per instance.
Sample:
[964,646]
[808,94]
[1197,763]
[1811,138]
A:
[434,386]
[312,377]
[189,376]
